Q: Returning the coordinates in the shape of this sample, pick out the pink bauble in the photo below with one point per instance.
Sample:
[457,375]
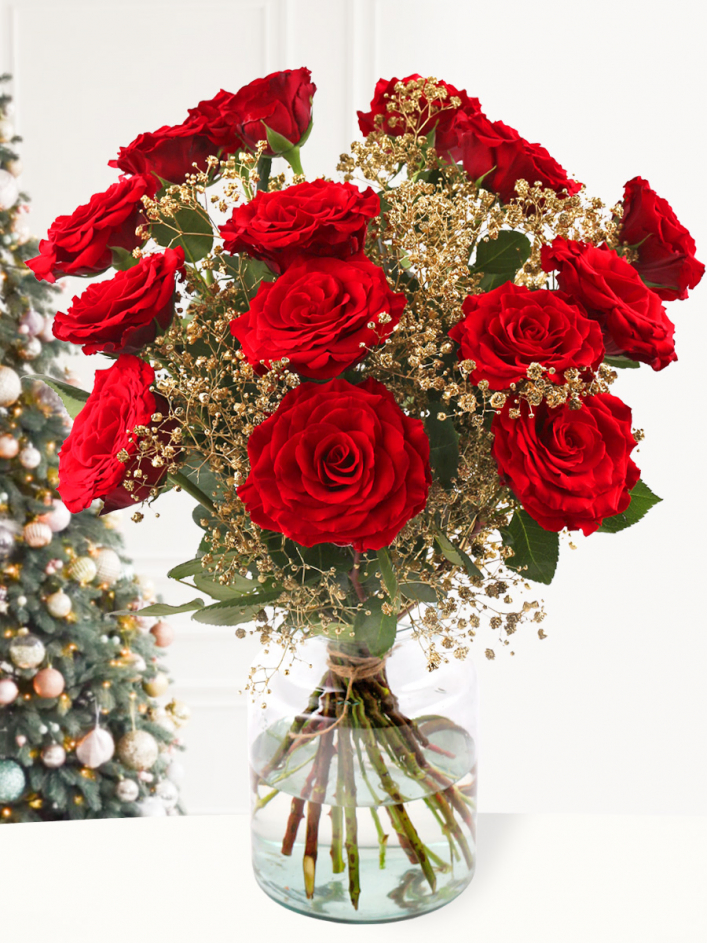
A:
[58,518]
[9,446]
[48,682]
[163,634]
[8,691]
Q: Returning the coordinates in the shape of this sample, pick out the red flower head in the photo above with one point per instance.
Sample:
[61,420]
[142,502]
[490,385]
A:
[318,218]
[80,244]
[611,291]
[666,250]
[89,466]
[219,118]
[122,314]
[169,152]
[337,463]
[317,314]
[507,329]
[568,467]
[492,150]
[282,101]
[444,118]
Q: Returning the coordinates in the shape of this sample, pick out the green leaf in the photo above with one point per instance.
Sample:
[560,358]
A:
[456,556]
[621,363]
[161,609]
[188,228]
[535,549]
[444,444]
[418,592]
[642,500]
[377,631]
[236,611]
[72,397]
[389,577]
[237,586]
[249,273]
[499,259]
[122,259]
[189,568]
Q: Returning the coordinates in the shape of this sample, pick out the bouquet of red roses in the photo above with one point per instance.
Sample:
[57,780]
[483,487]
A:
[388,399]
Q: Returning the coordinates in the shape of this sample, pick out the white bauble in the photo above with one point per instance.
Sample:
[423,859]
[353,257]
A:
[138,749]
[165,722]
[30,349]
[152,807]
[58,605]
[30,457]
[37,534]
[10,386]
[8,691]
[53,755]
[175,772]
[15,167]
[108,566]
[27,651]
[47,332]
[96,748]
[9,446]
[168,793]
[33,322]
[135,661]
[147,588]
[127,790]
[83,570]
[58,518]
[9,190]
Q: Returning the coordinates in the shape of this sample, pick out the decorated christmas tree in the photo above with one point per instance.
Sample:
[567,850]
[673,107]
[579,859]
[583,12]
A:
[81,732]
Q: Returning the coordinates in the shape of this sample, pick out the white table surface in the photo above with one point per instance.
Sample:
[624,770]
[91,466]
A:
[544,878]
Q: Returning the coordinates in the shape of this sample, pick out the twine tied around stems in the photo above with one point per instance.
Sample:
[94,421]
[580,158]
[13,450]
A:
[352,668]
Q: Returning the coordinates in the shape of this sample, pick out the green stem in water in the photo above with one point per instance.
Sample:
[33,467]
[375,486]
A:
[261,803]
[349,800]
[382,839]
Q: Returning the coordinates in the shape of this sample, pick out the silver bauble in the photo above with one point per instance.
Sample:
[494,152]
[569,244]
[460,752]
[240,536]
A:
[108,566]
[127,790]
[138,749]
[30,457]
[27,651]
[96,748]
[12,781]
[10,386]
[168,793]
[53,755]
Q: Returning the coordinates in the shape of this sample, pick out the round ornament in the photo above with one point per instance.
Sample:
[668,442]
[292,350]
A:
[156,686]
[15,167]
[136,662]
[58,518]
[30,457]
[8,691]
[152,807]
[58,605]
[96,748]
[180,711]
[83,570]
[12,781]
[127,790]
[27,651]
[30,349]
[9,446]
[20,740]
[33,322]
[163,634]
[108,566]
[53,755]
[47,332]
[48,682]
[168,793]
[138,749]
[163,719]
[10,386]
[7,541]
[37,535]
[175,772]
[9,190]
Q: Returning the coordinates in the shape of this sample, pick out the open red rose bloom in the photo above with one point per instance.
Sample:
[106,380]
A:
[388,394]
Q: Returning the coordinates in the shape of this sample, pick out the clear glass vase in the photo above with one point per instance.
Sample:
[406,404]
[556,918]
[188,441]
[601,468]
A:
[364,781]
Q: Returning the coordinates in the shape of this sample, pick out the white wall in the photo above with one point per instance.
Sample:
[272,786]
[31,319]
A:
[607,714]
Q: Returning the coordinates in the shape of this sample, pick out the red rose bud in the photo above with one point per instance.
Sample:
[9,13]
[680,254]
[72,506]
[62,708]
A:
[498,154]
[317,315]
[611,291]
[168,153]
[443,116]
[123,314]
[80,244]
[507,329]
[219,119]
[281,102]
[318,218]
[89,467]
[666,250]
[337,463]
[568,467]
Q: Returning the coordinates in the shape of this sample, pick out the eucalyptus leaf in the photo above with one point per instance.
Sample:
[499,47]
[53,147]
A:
[236,588]
[377,630]
[642,500]
[236,611]
[188,228]
[499,259]
[456,556]
[161,609]
[418,592]
[72,397]
[535,550]
[389,578]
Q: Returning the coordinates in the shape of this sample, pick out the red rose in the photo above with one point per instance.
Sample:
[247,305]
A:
[121,315]
[666,250]
[318,218]
[218,118]
[282,101]
[633,319]
[444,120]
[88,464]
[492,150]
[169,152]
[317,315]
[507,329]
[337,463]
[80,244]
[568,467]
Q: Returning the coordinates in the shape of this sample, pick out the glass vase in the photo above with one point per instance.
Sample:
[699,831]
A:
[364,781]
